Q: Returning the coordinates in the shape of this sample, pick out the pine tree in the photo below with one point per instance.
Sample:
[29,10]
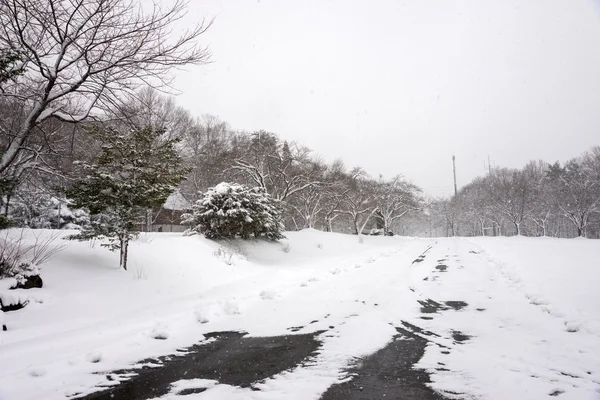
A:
[133,172]
[10,65]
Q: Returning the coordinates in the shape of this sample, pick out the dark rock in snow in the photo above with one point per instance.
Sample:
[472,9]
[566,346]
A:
[33,281]
[12,307]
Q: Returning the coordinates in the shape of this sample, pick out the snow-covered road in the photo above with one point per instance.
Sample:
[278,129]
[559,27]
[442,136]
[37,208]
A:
[489,329]
[487,337]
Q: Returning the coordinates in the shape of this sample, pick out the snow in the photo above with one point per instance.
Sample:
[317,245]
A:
[532,311]
[525,344]
[176,201]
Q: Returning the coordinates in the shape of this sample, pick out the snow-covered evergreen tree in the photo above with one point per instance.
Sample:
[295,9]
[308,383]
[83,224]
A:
[133,172]
[34,209]
[229,210]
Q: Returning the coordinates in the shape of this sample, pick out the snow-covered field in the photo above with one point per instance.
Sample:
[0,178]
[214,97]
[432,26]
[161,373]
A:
[532,313]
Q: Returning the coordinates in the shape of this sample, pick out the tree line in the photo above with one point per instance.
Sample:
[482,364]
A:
[77,76]
[540,199]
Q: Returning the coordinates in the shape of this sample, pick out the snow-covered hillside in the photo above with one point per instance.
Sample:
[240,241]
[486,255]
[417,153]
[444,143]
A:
[505,317]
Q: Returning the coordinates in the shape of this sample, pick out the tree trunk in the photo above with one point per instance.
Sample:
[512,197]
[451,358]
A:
[59,214]
[149,215]
[356,226]
[544,230]
[309,221]
[123,253]
[295,224]
[6,205]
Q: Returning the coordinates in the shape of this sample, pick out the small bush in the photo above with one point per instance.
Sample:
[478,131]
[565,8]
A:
[230,210]
[320,246]
[224,254]
[143,237]
[286,247]
[94,357]
[20,260]
[5,223]
[140,273]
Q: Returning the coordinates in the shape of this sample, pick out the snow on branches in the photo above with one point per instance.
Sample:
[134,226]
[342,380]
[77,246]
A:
[229,210]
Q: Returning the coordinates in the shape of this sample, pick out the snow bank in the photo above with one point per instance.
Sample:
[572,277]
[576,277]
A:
[530,319]
[560,275]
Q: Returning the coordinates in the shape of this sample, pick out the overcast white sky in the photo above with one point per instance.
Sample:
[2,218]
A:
[398,86]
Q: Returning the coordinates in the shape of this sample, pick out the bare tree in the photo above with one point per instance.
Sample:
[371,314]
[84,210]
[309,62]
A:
[446,214]
[321,199]
[512,195]
[475,204]
[81,55]
[278,167]
[359,202]
[576,191]
[395,198]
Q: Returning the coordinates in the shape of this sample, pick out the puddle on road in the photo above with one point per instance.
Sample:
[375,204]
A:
[456,305]
[231,358]
[460,337]
[429,306]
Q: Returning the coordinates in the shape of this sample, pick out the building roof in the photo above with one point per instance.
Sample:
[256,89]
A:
[176,201]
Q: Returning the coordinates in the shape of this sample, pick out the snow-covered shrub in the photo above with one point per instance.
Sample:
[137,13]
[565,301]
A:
[20,260]
[160,331]
[286,247]
[140,273]
[142,237]
[5,223]
[229,210]
[66,218]
[94,357]
[33,209]
[225,254]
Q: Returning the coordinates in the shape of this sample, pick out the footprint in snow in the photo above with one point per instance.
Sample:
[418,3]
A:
[268,294]
[572,327]
[36,372]
[94,357]
[159,332]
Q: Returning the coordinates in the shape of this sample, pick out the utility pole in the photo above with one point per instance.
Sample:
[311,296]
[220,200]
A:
[454,168]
